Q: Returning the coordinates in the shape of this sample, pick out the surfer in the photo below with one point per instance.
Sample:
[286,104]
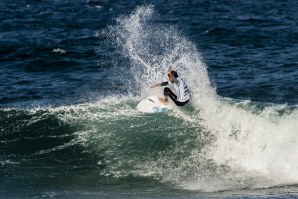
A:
[180,96]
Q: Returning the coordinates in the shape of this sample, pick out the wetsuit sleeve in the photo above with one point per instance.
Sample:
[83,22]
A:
[163,84]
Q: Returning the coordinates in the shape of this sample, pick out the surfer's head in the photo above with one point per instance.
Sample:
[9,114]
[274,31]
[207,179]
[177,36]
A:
[171,74]
[174,73]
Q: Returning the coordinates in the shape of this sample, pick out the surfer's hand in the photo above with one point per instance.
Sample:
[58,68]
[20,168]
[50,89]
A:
[153,86]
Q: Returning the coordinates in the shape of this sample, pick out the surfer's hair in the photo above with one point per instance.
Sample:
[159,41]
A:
[174,73]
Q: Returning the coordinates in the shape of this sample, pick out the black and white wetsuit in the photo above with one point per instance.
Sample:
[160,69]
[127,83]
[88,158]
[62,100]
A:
[181,95]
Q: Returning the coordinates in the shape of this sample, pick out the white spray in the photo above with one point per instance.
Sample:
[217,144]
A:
[249,150]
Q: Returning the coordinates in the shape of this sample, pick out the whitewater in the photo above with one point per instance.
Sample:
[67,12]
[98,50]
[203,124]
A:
[213,144]
[249,146]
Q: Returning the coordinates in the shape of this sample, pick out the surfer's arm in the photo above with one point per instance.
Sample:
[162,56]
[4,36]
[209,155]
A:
[163,84]
[160,84]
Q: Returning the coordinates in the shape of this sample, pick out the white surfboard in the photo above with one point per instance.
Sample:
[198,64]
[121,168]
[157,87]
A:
[152,105]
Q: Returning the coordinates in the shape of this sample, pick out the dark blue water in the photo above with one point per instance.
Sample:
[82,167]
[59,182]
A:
[72,73]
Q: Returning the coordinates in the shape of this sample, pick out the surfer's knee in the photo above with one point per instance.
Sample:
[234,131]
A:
[166,91]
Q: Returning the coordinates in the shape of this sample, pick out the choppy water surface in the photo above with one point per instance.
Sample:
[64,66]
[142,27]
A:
[72,74]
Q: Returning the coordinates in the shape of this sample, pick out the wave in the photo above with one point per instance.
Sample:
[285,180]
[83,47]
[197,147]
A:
[246,148]
[213,144]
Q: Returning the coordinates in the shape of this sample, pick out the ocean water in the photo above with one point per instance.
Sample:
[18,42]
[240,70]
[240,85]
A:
[72,73]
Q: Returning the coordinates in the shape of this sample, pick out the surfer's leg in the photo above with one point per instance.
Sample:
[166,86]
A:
[165,93]
[168,93]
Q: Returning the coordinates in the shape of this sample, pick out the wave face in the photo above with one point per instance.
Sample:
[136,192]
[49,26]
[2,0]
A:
[246,145]
[213,144]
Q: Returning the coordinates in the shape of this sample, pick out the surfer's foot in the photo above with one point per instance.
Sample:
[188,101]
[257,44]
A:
[164,102]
